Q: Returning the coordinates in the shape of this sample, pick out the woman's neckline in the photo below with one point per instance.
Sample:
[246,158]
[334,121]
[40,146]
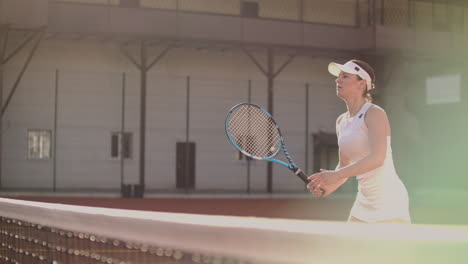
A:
[360,109]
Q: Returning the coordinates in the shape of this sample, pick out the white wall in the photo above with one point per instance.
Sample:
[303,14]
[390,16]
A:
[32,107]
[89,109]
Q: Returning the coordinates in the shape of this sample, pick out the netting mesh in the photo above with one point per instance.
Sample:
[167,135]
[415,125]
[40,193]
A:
[254,131]
[47,233]
[29,242]
[395,13]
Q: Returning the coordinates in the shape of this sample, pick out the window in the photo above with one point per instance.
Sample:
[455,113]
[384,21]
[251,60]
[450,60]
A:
[121,145]
[457,17]
[130,3]
[39,144]
[447,17]
[249,9]
[440,17]
[443,89]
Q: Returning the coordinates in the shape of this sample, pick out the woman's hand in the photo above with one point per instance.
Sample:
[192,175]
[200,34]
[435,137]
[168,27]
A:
[317,192]
[324,183]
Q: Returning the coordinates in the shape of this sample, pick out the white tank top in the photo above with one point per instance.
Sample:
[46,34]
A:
[381,194]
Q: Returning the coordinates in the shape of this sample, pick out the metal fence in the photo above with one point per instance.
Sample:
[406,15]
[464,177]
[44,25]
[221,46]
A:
[436,15]
[340,12]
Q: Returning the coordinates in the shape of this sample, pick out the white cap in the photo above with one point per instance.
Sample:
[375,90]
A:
[353,68]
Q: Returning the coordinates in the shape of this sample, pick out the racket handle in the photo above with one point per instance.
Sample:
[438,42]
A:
[303,177]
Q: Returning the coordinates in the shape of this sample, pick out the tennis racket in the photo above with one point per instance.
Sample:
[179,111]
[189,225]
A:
[254,132]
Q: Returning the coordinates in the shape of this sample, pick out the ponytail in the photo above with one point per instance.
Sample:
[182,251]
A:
[368,97]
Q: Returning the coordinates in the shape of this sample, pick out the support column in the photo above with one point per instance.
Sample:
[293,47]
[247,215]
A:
[271,79]
[306,127]
[3,42]
[270,74]
[143,74]
[54,140]
[143,66]
[122,131]
[248,160]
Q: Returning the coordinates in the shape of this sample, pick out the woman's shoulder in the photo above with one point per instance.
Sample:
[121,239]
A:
[376,110]
[376,114]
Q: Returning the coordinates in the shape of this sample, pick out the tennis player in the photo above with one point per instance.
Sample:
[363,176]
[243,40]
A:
[364,151]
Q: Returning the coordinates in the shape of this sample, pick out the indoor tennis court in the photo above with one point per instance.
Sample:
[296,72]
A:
[113,129]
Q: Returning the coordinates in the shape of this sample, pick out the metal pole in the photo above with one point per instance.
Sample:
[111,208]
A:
[301,19]
[369,12]
[301,10]
[358,14]
[249,100]
[187,136]
[307,127]
[54,159]
[143,67]
[270,74]
[382,12]
[270,77]
[122,131]
[143,71]
[410,13]
[3,43]
[374,24]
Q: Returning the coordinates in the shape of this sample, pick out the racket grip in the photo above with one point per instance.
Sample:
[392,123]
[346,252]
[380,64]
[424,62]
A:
[303,177]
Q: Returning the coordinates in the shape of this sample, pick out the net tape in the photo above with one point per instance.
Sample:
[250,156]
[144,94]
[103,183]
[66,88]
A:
[34,233]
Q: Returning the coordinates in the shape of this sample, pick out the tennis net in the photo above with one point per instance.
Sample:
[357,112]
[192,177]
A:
[33,232]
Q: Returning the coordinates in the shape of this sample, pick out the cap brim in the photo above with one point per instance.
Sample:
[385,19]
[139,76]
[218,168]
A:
[335,69]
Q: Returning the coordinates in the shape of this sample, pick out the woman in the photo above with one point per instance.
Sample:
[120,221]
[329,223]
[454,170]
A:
[364,151]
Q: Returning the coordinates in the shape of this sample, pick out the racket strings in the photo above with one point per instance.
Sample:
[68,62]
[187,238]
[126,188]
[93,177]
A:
[254,131]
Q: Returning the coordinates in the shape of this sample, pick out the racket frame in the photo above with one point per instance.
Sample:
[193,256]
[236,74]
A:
[291,165]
